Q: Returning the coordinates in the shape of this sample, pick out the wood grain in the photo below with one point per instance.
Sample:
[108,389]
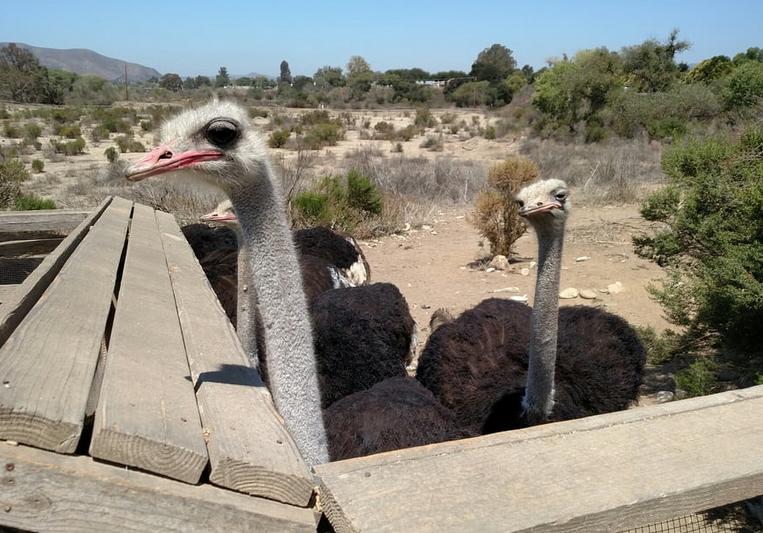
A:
[603,473]
[47,363]
[249,448]
[44,491]
[15,308]
[20,224]
[147,414]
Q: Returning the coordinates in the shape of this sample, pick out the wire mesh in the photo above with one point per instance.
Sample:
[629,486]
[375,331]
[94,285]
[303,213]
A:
[734,518]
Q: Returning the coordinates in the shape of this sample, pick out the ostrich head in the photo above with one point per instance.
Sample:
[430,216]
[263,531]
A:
[215,143]
[544,203]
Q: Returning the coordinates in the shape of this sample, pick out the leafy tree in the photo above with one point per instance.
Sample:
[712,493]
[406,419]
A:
[328,77]
[493,64]
[448,74]
[357,66]
[529,73]
[189,83]
[710,69]
[650,66]
[577,89]
[204,81]
[243,81]
[222,78]
[359,76]
[171,82]
[22,78]
[285,75]
[711,213]
[752,54]
[471,94]
[300,82]
[744,85]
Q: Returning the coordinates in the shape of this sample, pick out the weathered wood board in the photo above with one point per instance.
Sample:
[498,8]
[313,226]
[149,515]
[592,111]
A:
[47,363]
[604,473]
[43,491]
[147,414]
[249,447]
[15,308]
[21,224]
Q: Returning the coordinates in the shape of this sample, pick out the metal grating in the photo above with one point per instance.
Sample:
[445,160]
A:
[734,518]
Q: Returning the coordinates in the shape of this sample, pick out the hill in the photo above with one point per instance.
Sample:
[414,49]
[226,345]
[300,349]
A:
[84,61]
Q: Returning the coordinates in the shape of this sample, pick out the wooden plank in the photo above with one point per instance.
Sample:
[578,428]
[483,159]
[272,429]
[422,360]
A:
[47,363]
[250,450]
[15,309]
[55,221]
[147,414]
[29,247]
[42,491]
[603,473]
[7,292]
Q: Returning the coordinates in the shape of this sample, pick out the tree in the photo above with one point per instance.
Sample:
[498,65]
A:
[204,81]
[22,78]
[285,76]
[650,66]
[752,54]
[448,74]
[493,64]
[357,66]
[744,86]
[471,94]
[710,69]
[577,89]
[189,83]
[300,82]
[222,78]
[171,82]
[328,77]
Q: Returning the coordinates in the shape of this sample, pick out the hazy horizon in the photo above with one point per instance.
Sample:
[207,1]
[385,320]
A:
[192,37]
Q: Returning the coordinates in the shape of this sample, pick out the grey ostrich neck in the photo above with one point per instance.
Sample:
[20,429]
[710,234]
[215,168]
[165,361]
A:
[245,327]
[539,393]
[278,291]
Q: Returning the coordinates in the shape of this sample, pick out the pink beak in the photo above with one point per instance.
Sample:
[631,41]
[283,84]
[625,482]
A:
[535,210]
[165,159]
[219,217]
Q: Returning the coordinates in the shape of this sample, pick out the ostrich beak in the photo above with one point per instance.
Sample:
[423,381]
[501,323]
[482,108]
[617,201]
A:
[165,158]
[219,217]
[538,209]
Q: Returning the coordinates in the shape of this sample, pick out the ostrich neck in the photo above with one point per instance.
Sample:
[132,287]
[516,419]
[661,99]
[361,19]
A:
[278,291]
[539,394]
[244,315]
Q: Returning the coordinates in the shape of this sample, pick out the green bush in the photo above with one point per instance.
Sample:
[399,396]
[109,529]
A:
[70,132]
[699,378]
[75,147]
[99,133]
[29,202]
[323,134]
[712,244]
[38,165]
[13,170]
[146,125]
[340,203]
[744,86]
[111,154]
[12,131]
[32,130]
[432,143]
[279,138]
[127,144]
[424,118]
[489,132]
[258,112]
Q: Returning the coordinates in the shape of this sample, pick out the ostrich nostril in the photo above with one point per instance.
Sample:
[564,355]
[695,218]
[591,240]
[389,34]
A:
[540,204]
[166,155]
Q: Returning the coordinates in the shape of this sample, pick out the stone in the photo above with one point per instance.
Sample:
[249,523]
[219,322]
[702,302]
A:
[525,271]
[426,227]
[615,288]
[490,269]
[588,294]
[664,396]
[569,293]
[582,258]
[500,262]
[522,298]
[681,394]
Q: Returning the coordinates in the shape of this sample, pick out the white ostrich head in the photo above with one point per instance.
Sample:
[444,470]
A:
[224,213]
[544,203]
[215,143]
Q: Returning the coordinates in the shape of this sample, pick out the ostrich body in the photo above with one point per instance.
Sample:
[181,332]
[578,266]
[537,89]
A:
[393,414]
[502,365]
[215,143]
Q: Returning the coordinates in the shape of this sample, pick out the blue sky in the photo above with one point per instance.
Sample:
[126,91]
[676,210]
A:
[195,37]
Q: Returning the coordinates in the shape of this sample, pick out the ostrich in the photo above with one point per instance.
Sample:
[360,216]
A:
[214,143]
[217,144]
[496,365]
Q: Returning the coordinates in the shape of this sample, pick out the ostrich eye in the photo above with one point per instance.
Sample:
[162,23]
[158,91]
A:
[561,195]
[222,133]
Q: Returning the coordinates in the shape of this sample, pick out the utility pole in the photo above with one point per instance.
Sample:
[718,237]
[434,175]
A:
[127,96]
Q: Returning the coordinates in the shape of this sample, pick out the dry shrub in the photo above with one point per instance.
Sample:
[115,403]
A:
[616,171]
[496,214]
